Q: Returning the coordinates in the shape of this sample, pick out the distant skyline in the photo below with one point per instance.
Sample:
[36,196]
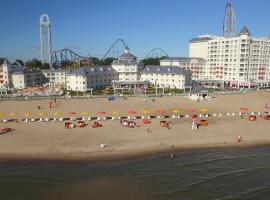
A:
[91,26]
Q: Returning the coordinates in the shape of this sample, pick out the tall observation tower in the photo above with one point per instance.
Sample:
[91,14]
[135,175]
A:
[229,24]
[45,22]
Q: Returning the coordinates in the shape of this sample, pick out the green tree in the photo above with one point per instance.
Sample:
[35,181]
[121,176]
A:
[19,61]
[34,63]
[2,60]
[151,61]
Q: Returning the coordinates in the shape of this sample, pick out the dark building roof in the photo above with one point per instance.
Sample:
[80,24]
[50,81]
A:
[156,69]
[25,71]
[127,55]
[199,89]
[245,31]
[186,59]
[200,39]
[85,70]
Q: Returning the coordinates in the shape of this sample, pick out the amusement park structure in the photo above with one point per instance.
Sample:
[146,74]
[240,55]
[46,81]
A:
[156,53]
[67,55]
[229,23]
[45,22]
[116,49]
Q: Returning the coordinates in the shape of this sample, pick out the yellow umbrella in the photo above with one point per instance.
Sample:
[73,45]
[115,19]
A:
[13,114]
[257,109]
[43,114]
[176,111]
[115,113]
[2,115]
[205,110]
[85,113]
[146,111]
[28,114]
[56,113]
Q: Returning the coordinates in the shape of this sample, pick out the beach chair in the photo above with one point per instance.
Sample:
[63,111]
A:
[81,124]
[96,124]
[203,122]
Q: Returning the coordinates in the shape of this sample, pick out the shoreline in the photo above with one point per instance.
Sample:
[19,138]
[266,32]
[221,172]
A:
[116,156]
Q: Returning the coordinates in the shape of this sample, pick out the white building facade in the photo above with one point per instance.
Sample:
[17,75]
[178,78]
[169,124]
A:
[173,77]
[195,65]
[26,78]
[6,71]
[90,77]
[241,61]
[55,76]
[128,67]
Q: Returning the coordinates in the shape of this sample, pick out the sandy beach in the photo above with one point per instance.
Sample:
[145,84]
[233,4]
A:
[51,140]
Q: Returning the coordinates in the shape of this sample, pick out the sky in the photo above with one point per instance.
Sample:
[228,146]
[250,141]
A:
[91,26]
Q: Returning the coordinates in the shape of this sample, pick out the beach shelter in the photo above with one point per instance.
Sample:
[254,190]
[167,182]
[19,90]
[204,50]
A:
[199,92]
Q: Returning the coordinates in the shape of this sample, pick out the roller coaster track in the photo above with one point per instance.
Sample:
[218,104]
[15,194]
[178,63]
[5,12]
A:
[158,53]
[63,55]
[114,44]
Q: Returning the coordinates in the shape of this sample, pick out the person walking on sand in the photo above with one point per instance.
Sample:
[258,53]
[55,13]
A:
[194,125]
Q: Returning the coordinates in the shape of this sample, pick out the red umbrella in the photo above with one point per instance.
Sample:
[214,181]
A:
[132,112]
[161,112]
[190,110]
[102,113]
[244,109]
[72,113]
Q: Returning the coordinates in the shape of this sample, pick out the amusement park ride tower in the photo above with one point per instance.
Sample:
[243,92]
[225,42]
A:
[45,23]
[229,24]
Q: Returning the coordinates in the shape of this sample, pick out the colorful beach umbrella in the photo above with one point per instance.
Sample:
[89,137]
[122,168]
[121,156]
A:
[28,114]
[13,114]
[72,113]
[190,110]
[102,113]
[56,113]
[204,110]
[115,113]
[132,112]
[176,111]
[146,111]
[2,115]
[85,113]
[42,114]
[244,109]
[161,112]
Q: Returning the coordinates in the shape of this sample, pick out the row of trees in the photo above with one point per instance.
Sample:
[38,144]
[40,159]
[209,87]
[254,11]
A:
[35,63]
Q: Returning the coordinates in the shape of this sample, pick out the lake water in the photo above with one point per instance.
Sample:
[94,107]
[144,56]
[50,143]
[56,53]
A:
[222,174]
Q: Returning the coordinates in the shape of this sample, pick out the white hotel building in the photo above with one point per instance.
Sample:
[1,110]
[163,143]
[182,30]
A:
[195,65]
[242,61]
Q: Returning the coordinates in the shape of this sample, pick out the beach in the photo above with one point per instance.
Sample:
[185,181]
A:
[50,140]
